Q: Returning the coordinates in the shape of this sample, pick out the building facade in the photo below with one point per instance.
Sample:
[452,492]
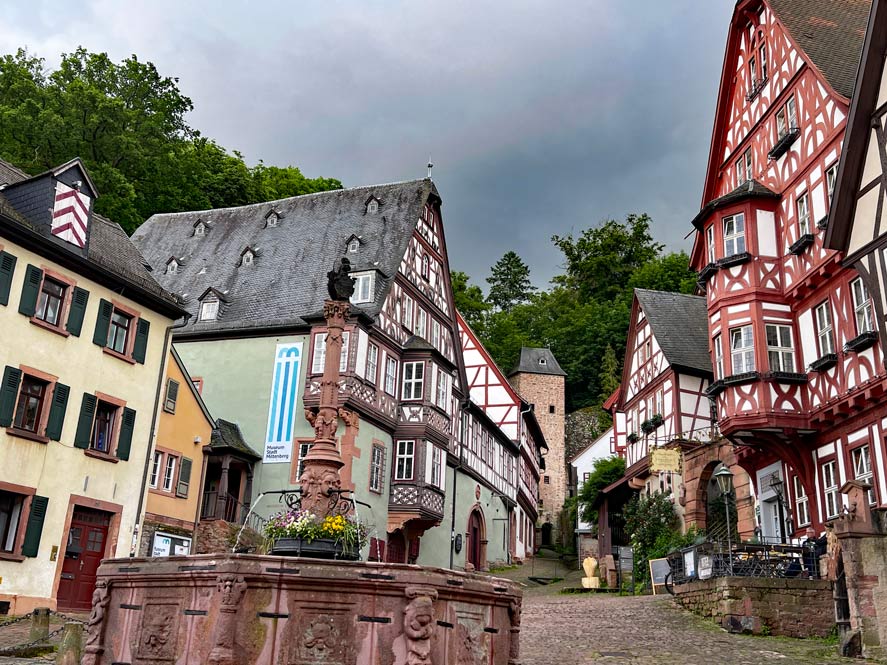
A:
[436,477]
[796,356]
[583,466]
[84,329]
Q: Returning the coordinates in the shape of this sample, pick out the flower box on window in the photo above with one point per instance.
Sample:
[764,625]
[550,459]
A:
[861,342]
[657,419]
[784,143]
[715,388]
[633,437]
[734,260]
[788,377]
[801,244]
[707,271]
[738,379]
[828,361]
[647,426]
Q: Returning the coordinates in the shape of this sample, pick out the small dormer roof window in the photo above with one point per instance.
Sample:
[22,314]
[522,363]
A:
[353,246]
[172,266]
[272,218]
[543,361]
[200,228]
[248,256]
[209,309]
[372,205]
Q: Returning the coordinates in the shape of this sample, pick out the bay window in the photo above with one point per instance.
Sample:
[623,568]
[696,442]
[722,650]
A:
[779,348]
[742,350]
[372,369]
[719,357]
[391,376]
[413,380]
[734,234]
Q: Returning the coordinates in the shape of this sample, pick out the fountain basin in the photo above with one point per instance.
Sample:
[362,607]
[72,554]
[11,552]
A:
[240,609]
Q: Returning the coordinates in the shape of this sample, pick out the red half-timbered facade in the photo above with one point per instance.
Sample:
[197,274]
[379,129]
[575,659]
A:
[791,331]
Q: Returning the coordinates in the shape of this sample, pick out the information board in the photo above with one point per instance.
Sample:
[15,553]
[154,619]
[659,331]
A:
[659,569]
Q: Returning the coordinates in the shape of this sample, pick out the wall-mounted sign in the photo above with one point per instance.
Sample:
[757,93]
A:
[705,566]
[282,407]
[457,543]
[167,544]
[665,459]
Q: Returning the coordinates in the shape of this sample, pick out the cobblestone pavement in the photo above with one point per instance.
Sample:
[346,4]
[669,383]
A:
[18,633]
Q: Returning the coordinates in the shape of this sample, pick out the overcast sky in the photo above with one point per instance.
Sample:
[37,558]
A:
[540,117]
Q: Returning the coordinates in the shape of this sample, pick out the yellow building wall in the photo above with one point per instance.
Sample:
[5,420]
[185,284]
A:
[177,432]
[56,469]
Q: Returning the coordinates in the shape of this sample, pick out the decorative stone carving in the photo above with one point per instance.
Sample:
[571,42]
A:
[230,589]
[159,632]
[95,629]
[349,417]
[514,612]
[413,647]
[340,285]
[591,579]
[469,646]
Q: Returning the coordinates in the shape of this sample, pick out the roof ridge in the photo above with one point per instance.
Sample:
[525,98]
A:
[670,293]
[285,199]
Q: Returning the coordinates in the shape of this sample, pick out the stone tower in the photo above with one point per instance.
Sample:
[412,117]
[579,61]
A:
[540,380]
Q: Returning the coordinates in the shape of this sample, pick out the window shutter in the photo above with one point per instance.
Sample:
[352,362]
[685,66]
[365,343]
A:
[35,526]
[7,268]
[57,412]
[79,299]
[84,425]
[141,343]
[184,478]
[124,441]
[30,290]
[8,391]
[172,395]
[102,323]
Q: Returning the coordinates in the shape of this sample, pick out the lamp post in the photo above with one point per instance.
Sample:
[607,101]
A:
[776,484]
[725,483]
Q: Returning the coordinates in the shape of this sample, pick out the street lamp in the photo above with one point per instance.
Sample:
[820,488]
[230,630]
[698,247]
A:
[724,477]
[777,484]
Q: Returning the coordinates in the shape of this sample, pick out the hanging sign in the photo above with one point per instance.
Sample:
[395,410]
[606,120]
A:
[665,459]
[282,408]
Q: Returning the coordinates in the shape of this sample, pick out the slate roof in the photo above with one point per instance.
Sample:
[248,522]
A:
[109,246]
[831,33]
[227,435]
[680,324]
[287,282]
[749,189]
[531,362]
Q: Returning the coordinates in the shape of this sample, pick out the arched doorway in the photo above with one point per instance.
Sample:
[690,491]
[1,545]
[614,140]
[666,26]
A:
[717,508]
[476,535]
[546,534]
[397,548]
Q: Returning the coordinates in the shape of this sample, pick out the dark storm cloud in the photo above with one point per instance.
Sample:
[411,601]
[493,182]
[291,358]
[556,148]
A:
[541,117]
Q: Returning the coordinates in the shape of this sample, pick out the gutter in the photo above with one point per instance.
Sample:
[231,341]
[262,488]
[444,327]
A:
[137,528]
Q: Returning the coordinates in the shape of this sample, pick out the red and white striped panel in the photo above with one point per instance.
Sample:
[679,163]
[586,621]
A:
[70,215]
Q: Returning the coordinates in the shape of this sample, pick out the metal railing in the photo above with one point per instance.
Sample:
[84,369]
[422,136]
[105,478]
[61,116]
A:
[230,510]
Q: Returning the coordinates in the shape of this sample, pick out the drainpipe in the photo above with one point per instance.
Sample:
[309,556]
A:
[464,405]
[148,458]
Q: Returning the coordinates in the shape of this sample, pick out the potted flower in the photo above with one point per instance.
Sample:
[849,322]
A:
[647,426]
[633,437]
[657,420]
[302,533]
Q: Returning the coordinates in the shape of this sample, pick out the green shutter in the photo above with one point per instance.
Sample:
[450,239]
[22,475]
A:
[8,392]
[141,343]
[124,441]
[7,268]
[35,526]
[57,412]
[84,425]
[172,395]
[79,299]
[30,290]
[102,323]
[184,478]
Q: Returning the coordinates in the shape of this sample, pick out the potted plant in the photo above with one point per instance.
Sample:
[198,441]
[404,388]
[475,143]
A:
[633,437]
[302,533]
[657,420]
[647,426]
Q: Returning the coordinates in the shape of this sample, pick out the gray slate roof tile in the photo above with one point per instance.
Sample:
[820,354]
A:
[537,361]
[680,324]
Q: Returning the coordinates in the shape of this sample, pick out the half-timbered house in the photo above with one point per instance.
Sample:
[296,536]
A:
[439,475]
[83,339]
[791,331]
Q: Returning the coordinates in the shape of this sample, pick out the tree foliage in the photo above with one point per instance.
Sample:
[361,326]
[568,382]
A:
[469,300]
[509,282]
[127,122]
[654,529]
[606,471]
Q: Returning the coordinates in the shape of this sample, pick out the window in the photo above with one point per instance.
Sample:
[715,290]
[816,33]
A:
[363,288]
[435,333]
[51,301]
[209,310]
[585,477]
[200,229]
[377,469]
[319,359]
[172,395]
[863,305]
[31,400]
[824,336]
[830,487]
[435,465]
[304,448]
[443,384]
[710,242]
[862,468]
[831,177]
[426,267]
[786,118]
[172,267]
[404,466]
[372,363]
[103,428]
[155,468]
[118,333]
[734,234]
[272,219]
[742,350]
[413,380]
[803,205]
[744,167]
[752,72]
[762,56]
[421,323]
[719,357]
[169,473]
[780,349]
[247,259]
[551,408]
[391,376]
[373,207]
[11,506]
[547,480]
[802,503]
[353,246]
[406,314]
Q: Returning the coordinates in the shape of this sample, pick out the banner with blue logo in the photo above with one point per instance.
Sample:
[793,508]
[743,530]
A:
[282,409]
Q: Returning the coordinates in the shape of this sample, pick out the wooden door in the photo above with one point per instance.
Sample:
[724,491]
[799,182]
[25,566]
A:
[84,551]
[397,548]
[474,538]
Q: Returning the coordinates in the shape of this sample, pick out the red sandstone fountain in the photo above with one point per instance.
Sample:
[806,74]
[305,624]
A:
[245,609]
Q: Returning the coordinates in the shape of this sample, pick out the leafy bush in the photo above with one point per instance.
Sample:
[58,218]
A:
[606,472]
[654,530]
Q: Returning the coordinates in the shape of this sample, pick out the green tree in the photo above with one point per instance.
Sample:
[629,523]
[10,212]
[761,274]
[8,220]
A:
[469,300]
[609,376]
[509,282]
[670,272]
[605,472]
[654,530]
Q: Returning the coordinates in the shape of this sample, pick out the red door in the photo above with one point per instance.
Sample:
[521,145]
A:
[397,548]
[474,540]
[85,549]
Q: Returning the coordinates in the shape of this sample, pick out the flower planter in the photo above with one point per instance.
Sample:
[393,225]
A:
[321,548]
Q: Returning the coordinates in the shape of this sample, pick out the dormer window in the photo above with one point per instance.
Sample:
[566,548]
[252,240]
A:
[543,361]
[209,310]
[248,257]
[353,246]
[373,207]
[172,267]
[200,229]
[271,219]
[364,287]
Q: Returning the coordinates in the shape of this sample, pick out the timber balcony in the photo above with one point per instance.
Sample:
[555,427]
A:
[417,497]
[355,393]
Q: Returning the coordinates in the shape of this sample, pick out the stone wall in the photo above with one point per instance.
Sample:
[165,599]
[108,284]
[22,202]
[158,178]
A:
[545,391]
[270,610]
[790,607]
[588,547]
[219,536]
